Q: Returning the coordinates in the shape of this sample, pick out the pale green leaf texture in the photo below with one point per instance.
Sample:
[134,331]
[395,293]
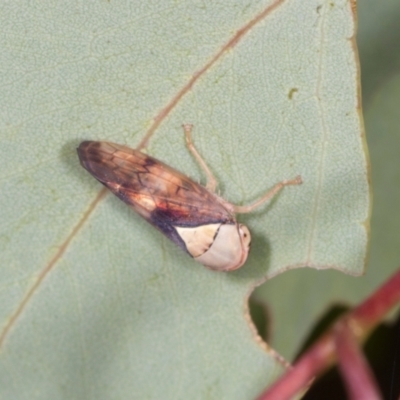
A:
[120,312]
[310,293]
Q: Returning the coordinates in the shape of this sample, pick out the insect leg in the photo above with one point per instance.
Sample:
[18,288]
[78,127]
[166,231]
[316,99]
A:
[267,196]
[211,181]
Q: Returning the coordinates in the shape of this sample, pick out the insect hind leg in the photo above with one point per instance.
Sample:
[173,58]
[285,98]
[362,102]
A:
[211,181]
[267,196]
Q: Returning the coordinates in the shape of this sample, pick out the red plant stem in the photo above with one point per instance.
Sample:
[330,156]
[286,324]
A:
[370,312]
[357,375]
[323,353]
[318,357]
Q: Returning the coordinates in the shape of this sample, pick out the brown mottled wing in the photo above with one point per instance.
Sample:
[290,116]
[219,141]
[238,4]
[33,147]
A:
[162,195]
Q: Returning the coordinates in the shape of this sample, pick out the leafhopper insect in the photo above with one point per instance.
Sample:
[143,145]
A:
[193,216]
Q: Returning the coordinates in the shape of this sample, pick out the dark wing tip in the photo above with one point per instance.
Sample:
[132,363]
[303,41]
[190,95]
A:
[84,144]
[97,158]
[88,152]
[84,147]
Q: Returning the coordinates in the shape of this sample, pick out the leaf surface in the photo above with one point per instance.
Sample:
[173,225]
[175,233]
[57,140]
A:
[296,300]
[95,302]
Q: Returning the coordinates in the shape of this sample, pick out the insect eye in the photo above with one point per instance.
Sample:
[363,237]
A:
[245,234]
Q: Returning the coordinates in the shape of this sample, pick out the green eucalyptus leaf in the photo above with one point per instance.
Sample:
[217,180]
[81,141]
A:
[96,304]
